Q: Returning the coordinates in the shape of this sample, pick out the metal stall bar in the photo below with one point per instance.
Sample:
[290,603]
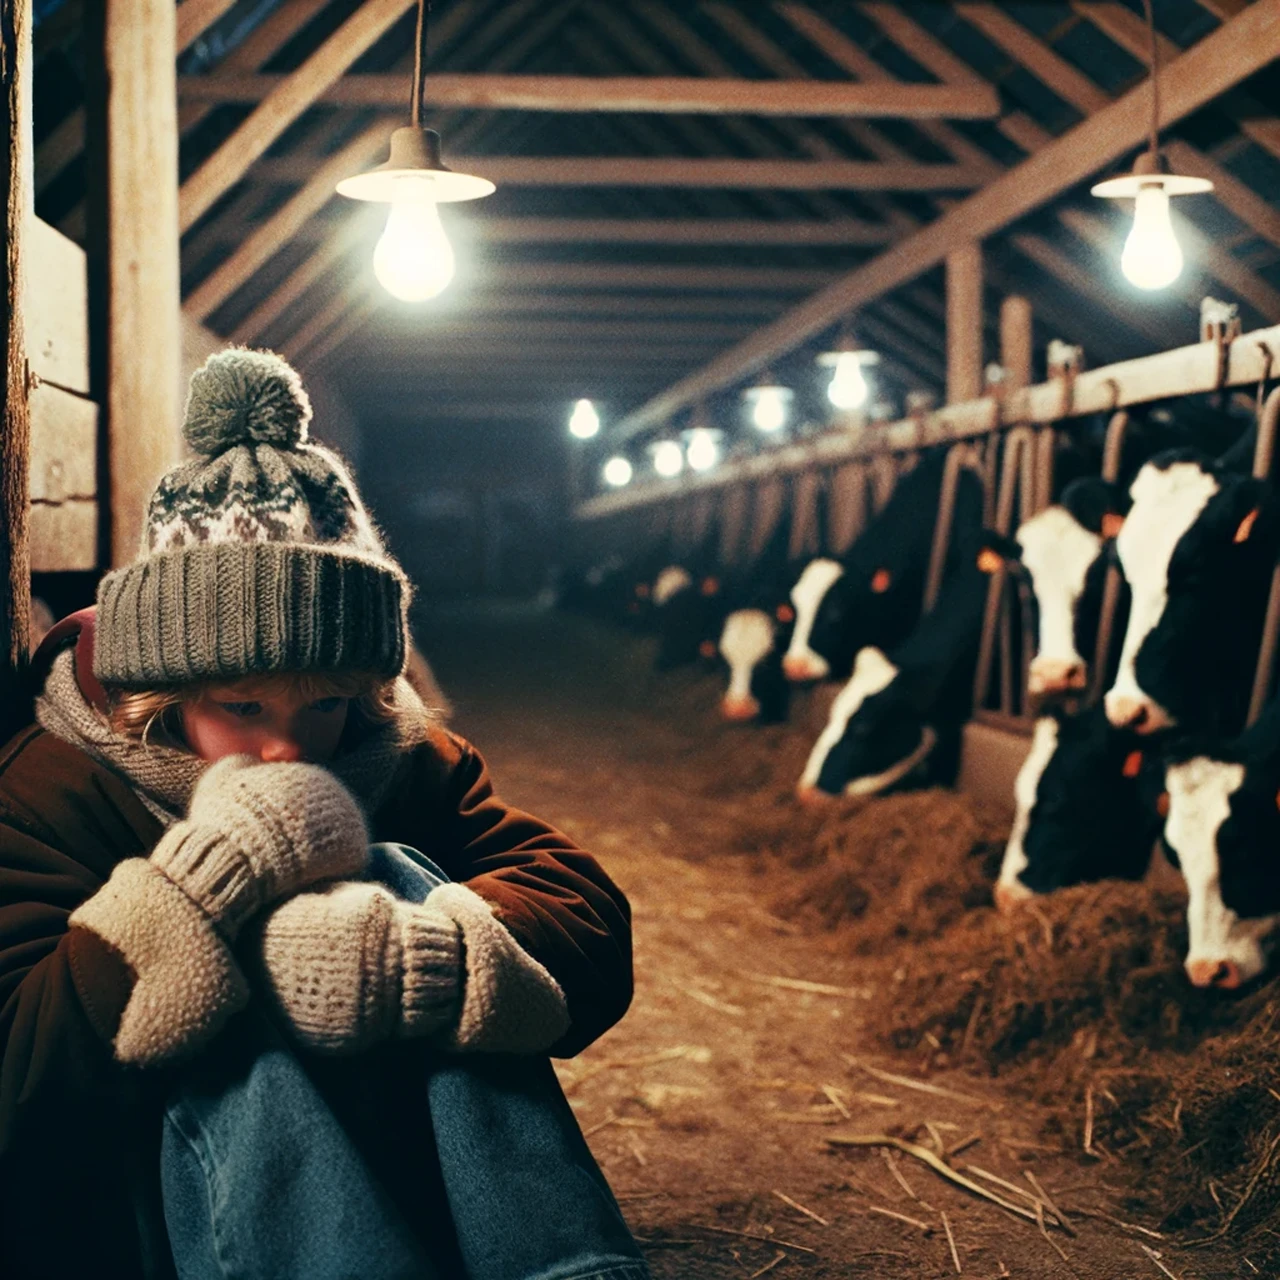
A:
[848,510]
[1263,458]
[1017,477]
[958,456]
[1112,451]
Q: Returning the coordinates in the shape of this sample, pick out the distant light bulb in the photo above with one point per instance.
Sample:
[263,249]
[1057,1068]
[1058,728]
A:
[584,421]
[848,388]
[617,472]
[769,406]
[703,451]
[1151,257]
[414,259]
[668,458]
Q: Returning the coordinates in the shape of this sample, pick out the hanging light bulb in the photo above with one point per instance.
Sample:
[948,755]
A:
[703,448]
[769,405]
[617,471]
[668,458]
[1152,257]
[848,388]
[414,260]
[584,421]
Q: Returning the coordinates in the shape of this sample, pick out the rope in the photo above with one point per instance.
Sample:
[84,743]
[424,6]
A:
[419,63]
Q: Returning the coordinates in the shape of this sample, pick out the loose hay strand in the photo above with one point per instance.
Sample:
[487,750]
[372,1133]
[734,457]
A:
[951,1240]
[909,1082]
[1049,1204]
[1155,1257]
[901,1217]
[795,1204]
[768,1266]
[926,1156]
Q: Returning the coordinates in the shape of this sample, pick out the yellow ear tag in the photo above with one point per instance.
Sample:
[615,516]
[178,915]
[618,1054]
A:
[1112,524]
[1132,764]
[1246,526]
[990,561]
[880,581]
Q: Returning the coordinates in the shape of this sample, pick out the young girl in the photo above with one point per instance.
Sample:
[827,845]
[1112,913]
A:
[237,1038]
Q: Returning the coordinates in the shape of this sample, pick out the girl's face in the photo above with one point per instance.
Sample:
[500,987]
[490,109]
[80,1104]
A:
[234,719]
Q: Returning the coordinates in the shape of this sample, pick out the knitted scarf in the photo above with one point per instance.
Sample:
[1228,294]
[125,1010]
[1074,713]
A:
[165,776]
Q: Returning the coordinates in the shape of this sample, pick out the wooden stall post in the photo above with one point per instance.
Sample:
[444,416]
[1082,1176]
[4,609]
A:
[1015,342]
[15,561]
[134,221]
[964,323]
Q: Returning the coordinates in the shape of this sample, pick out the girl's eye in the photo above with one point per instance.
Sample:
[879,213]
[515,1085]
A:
[241,708]
[325,706]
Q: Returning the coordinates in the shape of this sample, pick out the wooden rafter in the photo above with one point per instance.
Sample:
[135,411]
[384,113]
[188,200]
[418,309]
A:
[1212,66]
[666,95]
[709,231]
[295,93]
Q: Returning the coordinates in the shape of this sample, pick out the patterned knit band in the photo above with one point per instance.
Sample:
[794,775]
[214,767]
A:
[224,610]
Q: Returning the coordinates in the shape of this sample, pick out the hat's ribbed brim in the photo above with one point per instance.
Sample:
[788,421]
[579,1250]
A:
[224,610]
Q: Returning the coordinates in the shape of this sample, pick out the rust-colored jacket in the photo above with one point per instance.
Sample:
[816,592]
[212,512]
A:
[79,1134]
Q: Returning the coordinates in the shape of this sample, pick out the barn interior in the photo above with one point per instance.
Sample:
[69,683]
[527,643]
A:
[743,269]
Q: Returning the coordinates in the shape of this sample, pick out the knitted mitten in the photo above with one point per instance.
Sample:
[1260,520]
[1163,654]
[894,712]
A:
[255,833]
[351,965]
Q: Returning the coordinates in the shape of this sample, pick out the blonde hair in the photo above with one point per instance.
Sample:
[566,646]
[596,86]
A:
[135,713]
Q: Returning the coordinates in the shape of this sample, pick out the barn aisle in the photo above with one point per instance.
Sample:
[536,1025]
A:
[710,1105]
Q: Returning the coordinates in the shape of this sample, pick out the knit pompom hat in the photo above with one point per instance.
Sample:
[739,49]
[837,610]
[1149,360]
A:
[257,556]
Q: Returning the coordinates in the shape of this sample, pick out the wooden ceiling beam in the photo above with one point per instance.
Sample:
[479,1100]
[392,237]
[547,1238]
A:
[195,17]
[470,325]
[504,300]
[809,232]
[291,97]
[684,171]
[665,95]
[1211,67]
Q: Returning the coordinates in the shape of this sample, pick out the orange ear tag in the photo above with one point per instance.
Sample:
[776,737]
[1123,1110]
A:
[1132,764]
[880,581]
[1112,524]
[707,648]
[785,613]
[1246,526]
[710,586]
[990,561]
[1162,804]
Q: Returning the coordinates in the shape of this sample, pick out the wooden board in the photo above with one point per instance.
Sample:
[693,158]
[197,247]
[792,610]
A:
[56,308]
[64,445]
[64,537]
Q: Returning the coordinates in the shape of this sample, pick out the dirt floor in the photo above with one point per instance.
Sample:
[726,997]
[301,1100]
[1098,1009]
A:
[827,1007]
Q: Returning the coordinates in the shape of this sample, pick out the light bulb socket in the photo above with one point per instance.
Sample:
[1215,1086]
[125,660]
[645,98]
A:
[1150,169]
[415,153]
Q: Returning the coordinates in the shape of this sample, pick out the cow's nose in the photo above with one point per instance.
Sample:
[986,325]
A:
[1224,974]
[812,796]
[739,708]
[1009,894]
[1125,712]
[1056,675]
[798,667]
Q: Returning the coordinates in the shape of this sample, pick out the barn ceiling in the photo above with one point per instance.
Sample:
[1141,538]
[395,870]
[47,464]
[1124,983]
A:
[584,277]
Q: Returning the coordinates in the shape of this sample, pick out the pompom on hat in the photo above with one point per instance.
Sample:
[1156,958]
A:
[257,555]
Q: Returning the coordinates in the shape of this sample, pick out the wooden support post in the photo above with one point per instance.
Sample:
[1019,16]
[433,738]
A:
[1016,341]
[964,323]
[138,363]
[15,560]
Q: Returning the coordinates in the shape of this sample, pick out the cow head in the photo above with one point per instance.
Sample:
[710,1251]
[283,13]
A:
[747,639]
[1223,831]
[1057,839]
[1188,546]
[808,596]
[873,737]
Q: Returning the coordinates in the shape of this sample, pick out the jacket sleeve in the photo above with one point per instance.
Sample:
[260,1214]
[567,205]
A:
[62,989]
[553,896]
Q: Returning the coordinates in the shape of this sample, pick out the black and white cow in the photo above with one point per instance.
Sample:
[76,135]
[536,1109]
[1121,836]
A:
[1086,807]
[1063,552]
[1197,548]
[1223,831]
[873,595]
[903,711]
[688,609]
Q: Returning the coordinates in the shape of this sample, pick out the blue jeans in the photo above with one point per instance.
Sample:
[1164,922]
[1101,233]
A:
[269,1169]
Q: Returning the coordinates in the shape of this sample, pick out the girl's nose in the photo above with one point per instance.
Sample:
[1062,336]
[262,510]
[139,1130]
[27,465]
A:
[280,751]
